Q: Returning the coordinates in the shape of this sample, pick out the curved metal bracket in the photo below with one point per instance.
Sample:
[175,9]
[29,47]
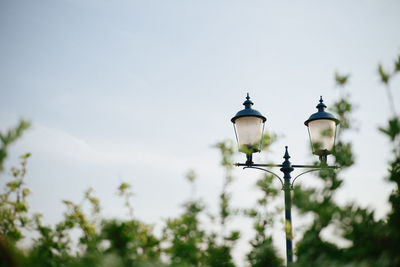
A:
[313,170]
[274,174]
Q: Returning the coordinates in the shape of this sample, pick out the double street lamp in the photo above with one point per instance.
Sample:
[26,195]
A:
[249,128]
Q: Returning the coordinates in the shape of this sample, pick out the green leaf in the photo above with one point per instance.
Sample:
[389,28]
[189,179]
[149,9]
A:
[123,187]
[14,185]
[397,64]
[235,235]
[341,79]
[383,74]
[393,128]
[26,192]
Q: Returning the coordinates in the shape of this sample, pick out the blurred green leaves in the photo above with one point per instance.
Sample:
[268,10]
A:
[341,79]
[384,75]
[10,137]
[392,129]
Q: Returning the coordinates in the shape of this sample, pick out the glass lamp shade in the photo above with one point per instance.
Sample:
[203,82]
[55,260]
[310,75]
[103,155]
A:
[322,135]
[322,130]
[249,131]
[249,127]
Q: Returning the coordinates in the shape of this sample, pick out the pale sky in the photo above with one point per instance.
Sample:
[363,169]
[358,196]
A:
[139,91]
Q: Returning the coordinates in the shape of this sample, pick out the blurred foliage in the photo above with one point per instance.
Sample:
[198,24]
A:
[341,79]
[263,253]
[185,238]
[13,204]
[187,244]
[371,242]
[197,238]
[10,137]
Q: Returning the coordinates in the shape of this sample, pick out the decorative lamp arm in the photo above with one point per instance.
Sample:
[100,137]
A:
[268,171]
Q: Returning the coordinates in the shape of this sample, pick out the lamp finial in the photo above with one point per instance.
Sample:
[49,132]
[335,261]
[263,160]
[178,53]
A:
[321,106]
[286,156]
[248,103]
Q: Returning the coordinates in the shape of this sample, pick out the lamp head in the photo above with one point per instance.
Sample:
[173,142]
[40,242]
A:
[322,128]
[249,126]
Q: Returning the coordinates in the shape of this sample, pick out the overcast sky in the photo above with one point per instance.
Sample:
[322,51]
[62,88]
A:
[139,91]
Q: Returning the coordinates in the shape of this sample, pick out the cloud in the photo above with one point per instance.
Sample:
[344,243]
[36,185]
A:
[60,145]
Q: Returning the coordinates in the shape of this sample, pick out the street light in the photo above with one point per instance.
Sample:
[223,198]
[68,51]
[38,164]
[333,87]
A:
[249,127]
[322,131]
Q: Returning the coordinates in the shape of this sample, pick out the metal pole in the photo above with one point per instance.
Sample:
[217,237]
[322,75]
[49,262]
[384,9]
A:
[287,169]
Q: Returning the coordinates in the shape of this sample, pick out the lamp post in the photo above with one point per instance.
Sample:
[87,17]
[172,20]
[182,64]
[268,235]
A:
[249,127]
